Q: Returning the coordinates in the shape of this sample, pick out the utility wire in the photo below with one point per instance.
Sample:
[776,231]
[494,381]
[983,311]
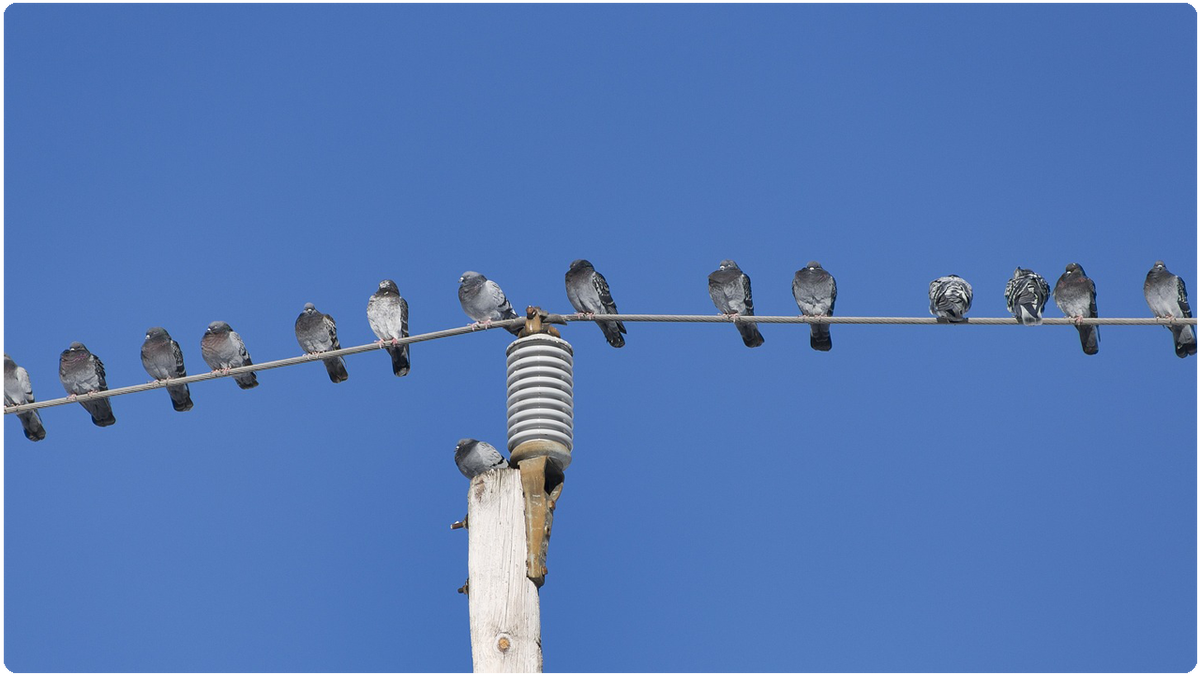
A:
[564,318]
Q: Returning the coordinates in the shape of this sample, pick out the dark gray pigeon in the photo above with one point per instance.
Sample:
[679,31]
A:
[475,457]
[18,391]
[223,349]
[484,302]
[1026,294]
[1167,296]
[163,360]
[729,289]
[1075,295]
[588,292]
[82,373]
[387,313]
[950,298]
[317,332]
[815,292]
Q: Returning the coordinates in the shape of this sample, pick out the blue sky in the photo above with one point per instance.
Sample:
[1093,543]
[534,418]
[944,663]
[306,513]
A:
[918,498]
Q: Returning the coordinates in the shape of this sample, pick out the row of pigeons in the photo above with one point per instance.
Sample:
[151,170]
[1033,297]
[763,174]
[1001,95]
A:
[813,288]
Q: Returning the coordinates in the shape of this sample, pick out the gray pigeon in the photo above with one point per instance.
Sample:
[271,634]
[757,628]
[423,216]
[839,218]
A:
[484,302]
[475,457]
[1075,295]
[1026,294]
[729,289]
[163,360]
[222,349]
[588,292]
[387,313]
[18,391]
[815,292]
[1167,296]
[82,373]
[950,298]
[317,332]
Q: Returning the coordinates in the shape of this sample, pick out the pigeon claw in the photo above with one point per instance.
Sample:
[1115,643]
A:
[1079,320]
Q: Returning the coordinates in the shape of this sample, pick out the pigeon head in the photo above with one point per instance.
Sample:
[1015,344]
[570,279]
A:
[309,308]
[1160,265]
[464,442]
[75,348]
[580,264]
[470,277]
[155,332]
[218,327]
[389,285]
[1073,268]
[813,265]
[728,265]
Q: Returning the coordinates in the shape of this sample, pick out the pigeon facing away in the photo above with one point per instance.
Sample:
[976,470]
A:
[729,289]
[1026,294]
[815,292]
[1167,296]
[950,298]
[163,360]
[475,457]
[484,302]
[222,349]
[1075,295]
[588,292]
[387,313]
[317,332]
[81,373]
[18,391]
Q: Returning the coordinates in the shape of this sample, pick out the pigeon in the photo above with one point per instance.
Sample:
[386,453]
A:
[815,292]
[588,292]
[729,289]
[163,360]
[950,298]
[1026,294]
[222,349]
[81,373]
[317,332]
[1167,296]
[387,313]
[1075,295]
[18,391]
[484,302]
[477,457]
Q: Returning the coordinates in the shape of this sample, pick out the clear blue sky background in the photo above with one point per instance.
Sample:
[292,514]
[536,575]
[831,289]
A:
[919,498]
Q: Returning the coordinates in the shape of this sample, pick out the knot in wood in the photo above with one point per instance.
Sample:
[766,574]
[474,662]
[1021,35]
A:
[503,644]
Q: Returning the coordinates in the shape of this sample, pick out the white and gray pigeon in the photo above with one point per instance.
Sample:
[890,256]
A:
[163,360]
[1075,295]
[475,457]
[387,312]
[588,292]
[222,349]
[1167,296]
[950,298]
[81,372]
[815,291]
[18,391]
[1026,294]
[317,332]
[729,289]
[484,302]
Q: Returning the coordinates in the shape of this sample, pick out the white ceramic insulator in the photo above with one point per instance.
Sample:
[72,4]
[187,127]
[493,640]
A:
[540,384]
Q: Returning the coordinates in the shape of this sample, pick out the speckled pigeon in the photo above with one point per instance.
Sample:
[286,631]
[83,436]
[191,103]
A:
[588,292]
[1026,294]
[815,292]
[317,332]
[475,457]
[81,373]
[1075,295]
[950,298]
[729,289]
[222,349]
[1167,296]
[387,313]
[484,302]
[18,391]
[163,360]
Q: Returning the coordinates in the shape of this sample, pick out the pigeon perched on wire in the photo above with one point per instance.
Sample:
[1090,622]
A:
[223,349]
[1167,296]
[475,457]
[163,360]
[484,302]
[588,292]
[18,391]
[1075,295]
[387,313]
[950,298]
[1026,294]
[815,291]
[729,289]
[316,333]
[81,372]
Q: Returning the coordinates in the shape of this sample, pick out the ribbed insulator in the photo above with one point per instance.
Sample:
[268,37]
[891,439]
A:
[540,399]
